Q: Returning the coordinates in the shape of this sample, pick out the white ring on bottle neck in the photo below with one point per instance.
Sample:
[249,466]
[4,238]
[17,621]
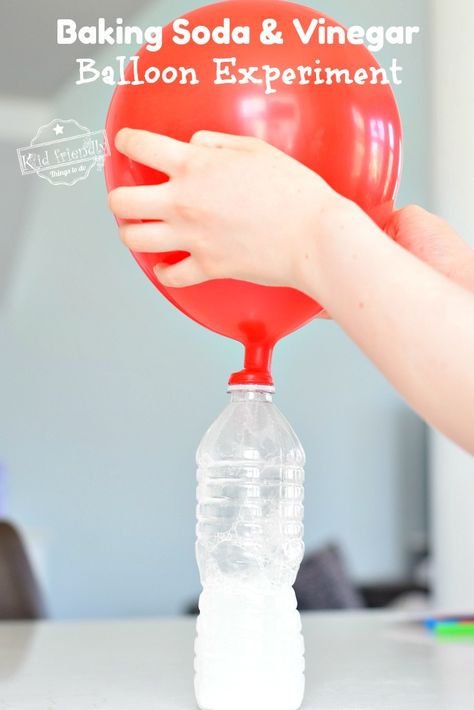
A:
[269,389]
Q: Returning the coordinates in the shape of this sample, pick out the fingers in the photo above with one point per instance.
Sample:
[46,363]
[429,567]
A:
[213,139]
[393,225]
[142,202]
[153,237]
[159,152]
[406,222]
[185,273]
[159,237]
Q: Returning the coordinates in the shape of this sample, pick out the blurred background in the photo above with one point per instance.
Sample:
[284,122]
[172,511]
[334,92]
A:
[106,389]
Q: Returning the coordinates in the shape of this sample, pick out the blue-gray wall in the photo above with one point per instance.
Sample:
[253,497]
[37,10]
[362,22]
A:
[105,391]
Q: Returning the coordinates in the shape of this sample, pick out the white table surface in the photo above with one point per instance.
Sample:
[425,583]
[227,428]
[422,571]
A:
[354,661]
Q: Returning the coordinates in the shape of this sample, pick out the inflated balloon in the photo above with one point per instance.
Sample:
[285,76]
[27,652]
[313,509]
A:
[348,133]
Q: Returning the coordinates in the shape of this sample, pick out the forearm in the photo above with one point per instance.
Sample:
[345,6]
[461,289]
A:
[410,320]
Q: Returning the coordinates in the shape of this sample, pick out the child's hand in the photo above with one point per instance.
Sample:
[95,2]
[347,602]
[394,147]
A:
[242,208]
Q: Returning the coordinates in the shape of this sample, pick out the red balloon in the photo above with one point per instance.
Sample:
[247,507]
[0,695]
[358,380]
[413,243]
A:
[348,133]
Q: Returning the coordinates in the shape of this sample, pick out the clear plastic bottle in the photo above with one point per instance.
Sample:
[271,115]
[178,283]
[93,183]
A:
[249,647]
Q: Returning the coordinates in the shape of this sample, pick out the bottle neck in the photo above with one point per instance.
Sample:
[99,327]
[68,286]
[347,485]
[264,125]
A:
[251,393]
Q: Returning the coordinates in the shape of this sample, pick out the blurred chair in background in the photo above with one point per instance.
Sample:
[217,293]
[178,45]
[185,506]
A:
[20,596]
[323,582]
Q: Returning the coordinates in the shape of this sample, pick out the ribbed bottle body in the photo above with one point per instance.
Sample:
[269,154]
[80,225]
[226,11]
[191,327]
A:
[249,648]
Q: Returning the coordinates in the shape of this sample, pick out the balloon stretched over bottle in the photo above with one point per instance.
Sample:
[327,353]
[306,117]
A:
[347,133]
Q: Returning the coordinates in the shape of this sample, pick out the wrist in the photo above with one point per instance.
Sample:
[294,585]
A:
[334,223]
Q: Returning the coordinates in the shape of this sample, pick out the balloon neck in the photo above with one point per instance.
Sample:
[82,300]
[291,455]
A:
[257,367]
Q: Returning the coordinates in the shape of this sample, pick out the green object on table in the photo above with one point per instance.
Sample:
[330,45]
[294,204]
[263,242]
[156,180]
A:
[452,630]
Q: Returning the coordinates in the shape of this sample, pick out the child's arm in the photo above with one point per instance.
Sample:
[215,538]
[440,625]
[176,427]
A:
[414,323]
[246,210]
